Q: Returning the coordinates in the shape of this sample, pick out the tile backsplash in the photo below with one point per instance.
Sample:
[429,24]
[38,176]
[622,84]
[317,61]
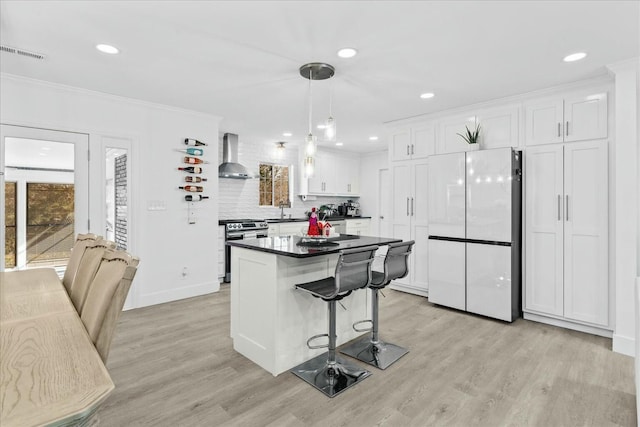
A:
[238,198]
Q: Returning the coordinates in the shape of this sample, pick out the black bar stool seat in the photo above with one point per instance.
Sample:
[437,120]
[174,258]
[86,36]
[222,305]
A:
[370,349]
[329,373]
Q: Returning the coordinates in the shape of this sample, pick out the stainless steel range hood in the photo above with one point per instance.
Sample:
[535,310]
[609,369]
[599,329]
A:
[230,168]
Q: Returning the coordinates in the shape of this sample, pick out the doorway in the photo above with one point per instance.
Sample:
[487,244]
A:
[44,182]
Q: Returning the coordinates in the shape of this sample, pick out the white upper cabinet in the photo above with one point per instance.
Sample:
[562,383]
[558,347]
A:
[572,118]
[498,127]
[413,143]
[336,174]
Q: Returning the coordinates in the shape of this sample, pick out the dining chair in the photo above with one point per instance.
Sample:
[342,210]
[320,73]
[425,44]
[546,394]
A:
[106,297]
[87,269]
[82,241]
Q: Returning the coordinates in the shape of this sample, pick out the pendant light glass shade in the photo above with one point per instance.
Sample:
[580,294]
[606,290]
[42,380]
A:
[279,152]
[310,146]
[330,129]
[309,167]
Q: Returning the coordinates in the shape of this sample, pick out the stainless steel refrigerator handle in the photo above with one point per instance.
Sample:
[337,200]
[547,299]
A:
[567,208]
[566,129]
[407,206]
[412,206]
[559,207]
[559,131]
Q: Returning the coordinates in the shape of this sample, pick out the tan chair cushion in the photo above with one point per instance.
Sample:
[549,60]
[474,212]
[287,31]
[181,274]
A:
[82,241]
[87,270]
[106,297]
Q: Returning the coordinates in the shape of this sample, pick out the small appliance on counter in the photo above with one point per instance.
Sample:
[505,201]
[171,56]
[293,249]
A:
[352,208]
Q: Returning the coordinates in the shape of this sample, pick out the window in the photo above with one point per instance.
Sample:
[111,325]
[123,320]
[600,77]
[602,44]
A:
[274,185]
[10,224]
[50,213]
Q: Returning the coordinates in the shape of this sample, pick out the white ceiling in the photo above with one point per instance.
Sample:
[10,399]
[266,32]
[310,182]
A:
[240,59]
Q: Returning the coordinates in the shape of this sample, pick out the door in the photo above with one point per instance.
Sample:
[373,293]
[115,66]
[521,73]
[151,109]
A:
[489,280]
[586,290]
[544,192]
[447,273]
[419,209]
[44,184]
[446,193]
[489,183]
[401,219]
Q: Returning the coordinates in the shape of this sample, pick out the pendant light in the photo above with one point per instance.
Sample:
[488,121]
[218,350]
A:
[279,153]
[313,71]
[330,125]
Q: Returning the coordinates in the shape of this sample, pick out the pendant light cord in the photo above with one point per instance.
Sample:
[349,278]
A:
[310,100]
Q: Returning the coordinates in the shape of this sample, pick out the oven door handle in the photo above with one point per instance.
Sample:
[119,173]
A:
[235,237]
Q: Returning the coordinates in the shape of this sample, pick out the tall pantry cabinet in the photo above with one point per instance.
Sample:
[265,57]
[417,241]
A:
[566,218]
[408,166]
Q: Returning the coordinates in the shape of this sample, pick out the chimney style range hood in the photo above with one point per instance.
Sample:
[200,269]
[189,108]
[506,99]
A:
[230,168]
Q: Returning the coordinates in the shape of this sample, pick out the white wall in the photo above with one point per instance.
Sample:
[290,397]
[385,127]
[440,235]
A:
[163,239]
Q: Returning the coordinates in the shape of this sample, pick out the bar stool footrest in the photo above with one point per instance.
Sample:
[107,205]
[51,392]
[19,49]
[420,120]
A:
[315,337]
[330,379]
[380,354]
[359,322]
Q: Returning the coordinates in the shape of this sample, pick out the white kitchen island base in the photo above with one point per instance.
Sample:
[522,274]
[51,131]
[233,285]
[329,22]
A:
[271,321]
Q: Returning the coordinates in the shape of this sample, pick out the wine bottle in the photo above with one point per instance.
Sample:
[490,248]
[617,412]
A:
[191,169]
[194,160]
[193,151]
[195,197]
[192,188]
[190,178]
[193,142]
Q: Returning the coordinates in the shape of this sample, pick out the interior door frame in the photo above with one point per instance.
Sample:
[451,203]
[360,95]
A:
[81,171]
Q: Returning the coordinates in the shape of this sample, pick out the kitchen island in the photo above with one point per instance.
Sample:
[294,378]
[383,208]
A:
[270,320]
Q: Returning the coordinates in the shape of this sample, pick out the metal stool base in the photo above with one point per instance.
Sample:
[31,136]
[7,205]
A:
[381,355]
[316,372]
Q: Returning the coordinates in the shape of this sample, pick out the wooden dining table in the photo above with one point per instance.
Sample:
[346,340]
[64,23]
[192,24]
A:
[50,371]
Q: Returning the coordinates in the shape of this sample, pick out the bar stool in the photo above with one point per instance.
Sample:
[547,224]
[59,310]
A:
[370,349]
[327,372]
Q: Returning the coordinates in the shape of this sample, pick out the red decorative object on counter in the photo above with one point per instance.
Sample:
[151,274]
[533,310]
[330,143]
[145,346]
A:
[313,224]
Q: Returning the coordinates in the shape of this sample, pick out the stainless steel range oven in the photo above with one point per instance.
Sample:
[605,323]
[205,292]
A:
[239,229]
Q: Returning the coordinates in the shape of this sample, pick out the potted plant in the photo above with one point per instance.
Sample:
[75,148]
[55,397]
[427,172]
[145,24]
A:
[471,136]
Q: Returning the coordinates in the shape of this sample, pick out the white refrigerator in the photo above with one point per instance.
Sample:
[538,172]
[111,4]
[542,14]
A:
[475,231]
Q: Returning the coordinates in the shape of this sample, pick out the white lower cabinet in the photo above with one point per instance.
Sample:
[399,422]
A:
[359,227]
[566,232]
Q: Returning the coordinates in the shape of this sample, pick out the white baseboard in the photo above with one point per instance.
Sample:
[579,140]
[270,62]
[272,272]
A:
[177,294]
[624,345]
[567,324]
[408,289]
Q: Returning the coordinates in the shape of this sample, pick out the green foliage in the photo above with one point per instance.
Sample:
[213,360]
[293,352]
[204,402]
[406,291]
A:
[471,136]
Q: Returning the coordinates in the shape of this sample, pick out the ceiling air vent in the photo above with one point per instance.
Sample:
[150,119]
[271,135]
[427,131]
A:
[22,52]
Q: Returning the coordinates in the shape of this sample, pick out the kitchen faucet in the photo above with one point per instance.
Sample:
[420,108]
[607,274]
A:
[282,205]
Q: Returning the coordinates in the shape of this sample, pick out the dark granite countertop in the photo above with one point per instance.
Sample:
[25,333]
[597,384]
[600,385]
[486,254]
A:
[288,245]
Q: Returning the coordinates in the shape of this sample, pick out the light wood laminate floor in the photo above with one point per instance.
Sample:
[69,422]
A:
[174,365]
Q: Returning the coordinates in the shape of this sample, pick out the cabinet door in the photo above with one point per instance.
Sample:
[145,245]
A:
[446,194]
[221,252]
[450,141]
[447,273]
[489,280]
[419,209]
[543,121]
[401,221]
[423,143]
[586,289]
[352,173]
[543,176]
[585,117]
[400,144]
[499,128]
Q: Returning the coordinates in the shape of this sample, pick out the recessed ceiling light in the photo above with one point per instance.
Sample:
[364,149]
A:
[107,48]
[287,134]
[339,144]
[373,138]
[347,52]
[427,95]
[575,57]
